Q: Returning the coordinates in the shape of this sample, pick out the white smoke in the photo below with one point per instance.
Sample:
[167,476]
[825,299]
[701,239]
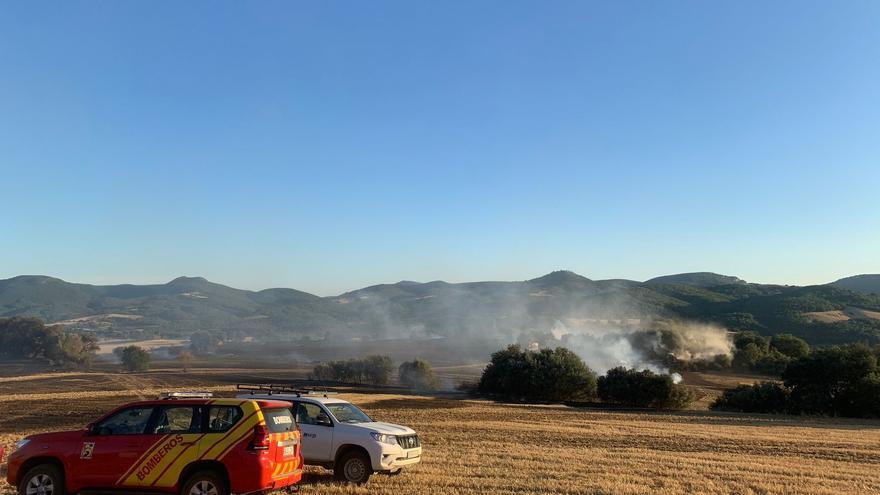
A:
[637,348]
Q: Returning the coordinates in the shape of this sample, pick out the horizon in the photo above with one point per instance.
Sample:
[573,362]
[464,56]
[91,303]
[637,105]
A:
[331,146]
[258,289]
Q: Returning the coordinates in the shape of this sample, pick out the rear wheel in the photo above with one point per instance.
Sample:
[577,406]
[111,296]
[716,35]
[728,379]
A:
[205,483]
[354,467]
[44,479]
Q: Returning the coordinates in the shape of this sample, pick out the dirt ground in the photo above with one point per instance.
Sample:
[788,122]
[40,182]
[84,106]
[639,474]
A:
[479,447]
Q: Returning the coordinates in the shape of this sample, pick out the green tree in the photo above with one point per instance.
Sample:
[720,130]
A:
[835,381]
[29,338]
[418,375]
[644,388]
[135,358]
[549,375]
[764,397]
[790,346]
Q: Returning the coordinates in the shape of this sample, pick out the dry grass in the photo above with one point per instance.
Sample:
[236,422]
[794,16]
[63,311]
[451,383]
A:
[477,447]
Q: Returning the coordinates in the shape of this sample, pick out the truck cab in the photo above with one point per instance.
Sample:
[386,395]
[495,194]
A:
[338,435]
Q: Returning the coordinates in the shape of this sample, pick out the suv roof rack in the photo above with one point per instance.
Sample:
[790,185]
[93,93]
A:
[185,395]
[275,388]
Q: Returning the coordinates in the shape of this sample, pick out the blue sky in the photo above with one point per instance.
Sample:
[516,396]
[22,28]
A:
[332,145]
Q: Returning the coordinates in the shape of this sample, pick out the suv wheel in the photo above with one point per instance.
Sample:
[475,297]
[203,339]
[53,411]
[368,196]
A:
[354,467]
[205,483]
[44,479]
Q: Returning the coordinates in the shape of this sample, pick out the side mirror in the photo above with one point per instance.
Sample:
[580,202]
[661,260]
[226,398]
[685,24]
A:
[323,420]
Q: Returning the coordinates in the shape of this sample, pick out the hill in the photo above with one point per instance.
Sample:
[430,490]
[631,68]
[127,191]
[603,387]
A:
[495,311]
[866,284]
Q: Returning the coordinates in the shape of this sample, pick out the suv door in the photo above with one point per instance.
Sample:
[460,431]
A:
[114,446]
[317,432]
[179,427]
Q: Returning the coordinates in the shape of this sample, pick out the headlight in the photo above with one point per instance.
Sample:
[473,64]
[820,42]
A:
[21,443]
[381,437]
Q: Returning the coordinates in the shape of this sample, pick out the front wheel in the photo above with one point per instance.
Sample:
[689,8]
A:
[44,479]
[354,467]
[205,483]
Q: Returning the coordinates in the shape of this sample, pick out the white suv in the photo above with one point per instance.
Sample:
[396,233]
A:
[339,436]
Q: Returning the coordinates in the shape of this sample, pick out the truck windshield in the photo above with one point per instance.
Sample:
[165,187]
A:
[348,413]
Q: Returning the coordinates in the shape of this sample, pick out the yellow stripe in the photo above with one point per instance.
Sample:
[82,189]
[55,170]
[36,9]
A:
[157,468]
[180,458]
[233,435]
[147,454]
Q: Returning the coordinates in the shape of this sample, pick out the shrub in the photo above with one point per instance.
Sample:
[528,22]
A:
[548,375]
[645,388]
[764,397]
[417,375]
[135,358]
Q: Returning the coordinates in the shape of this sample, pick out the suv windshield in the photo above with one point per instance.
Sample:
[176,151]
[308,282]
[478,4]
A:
[348,413]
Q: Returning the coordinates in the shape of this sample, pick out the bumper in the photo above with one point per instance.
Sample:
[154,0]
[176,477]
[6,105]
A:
[271,476]
[392,458]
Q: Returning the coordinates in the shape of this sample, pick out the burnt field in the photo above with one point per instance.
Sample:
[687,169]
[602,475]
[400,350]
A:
[475,446]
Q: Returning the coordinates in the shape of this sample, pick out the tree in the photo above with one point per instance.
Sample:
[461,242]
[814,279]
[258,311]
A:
[417,375]
[377,369]
[31,339]
[835,381]
[764,397]
[645,388]
[373,370]
[135,358]
[554,375]
[790,346]
[186,359]
[204,342]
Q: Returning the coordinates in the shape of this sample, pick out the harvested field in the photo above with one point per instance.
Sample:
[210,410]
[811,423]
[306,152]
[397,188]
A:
[479,447]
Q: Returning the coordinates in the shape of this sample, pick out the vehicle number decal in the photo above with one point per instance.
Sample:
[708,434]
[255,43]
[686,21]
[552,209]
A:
[282,420]
[87,449]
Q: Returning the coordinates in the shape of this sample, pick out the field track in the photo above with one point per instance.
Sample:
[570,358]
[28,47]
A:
[478,447]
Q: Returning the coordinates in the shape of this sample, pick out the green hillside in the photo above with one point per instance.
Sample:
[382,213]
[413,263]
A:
[463,310]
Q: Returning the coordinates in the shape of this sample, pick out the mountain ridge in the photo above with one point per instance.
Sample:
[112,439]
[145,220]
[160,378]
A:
[406,308]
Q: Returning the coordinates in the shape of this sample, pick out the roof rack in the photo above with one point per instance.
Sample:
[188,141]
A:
[275,388]
[185,395]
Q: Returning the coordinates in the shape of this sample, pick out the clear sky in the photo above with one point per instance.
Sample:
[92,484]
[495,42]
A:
[331,145]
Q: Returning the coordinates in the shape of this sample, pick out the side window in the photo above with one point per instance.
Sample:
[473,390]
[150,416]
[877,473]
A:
[222,418]
[128,422]
[179,419]
[307,414]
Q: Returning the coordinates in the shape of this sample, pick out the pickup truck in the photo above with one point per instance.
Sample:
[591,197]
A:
[337,435]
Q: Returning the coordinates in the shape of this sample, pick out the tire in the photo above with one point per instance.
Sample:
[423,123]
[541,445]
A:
[353,467]
[205,483]
[47,477]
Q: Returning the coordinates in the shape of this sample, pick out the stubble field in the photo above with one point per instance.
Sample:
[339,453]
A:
[479,447]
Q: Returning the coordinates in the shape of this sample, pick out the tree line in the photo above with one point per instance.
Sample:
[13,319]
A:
[377,370]
[835,381]
[559,375]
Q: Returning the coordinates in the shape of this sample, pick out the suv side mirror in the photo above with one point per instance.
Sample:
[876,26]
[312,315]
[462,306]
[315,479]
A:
[323,420]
